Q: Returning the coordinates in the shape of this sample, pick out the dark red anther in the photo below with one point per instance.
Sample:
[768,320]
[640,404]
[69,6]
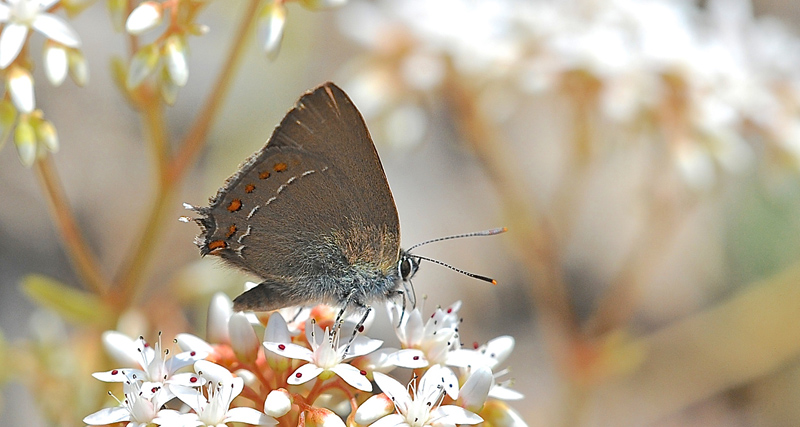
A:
[416,357]
[194,353]
[363,372]
[449,310]
[114,372]
[361,328]
[281,347]
[475,345]
[193,380]
[298,375]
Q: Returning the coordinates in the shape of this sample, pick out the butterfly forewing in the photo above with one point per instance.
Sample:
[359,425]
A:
[313,202]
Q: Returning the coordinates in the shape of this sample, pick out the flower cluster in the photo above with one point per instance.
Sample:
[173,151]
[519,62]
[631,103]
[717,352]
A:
[309,370]
[33,135]
[716,85]
[166,57]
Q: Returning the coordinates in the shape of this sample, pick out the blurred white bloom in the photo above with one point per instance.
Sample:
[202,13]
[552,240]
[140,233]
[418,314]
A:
[715,80]
[20,86]
[271,23]
[144,17]
[21,15]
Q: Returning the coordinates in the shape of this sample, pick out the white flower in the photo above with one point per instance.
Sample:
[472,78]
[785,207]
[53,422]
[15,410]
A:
[327,357]
[158,374]
[428,343]
[137,408]
[422,407]
[215,410]
[489,356]
[21,15]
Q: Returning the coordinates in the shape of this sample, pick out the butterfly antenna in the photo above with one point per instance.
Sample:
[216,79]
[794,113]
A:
[464,272]
[491,232]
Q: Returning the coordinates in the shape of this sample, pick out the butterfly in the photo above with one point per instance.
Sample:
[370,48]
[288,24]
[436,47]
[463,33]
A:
[311,214]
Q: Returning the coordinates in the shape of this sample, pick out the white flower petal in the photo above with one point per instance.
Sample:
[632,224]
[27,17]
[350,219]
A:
[277,331]
[465,358]
[5,12]
[396,391]
[190,396]
[290,350]
[305,373]
[11,41]
[249,416]
[409,358]
[413,329]
[119,375]
[56,65]
[353,376]
[391,420]
[121,348]
[188,342]
[186,379]
[451,414]
[503,393]
[498,349]
[475,390]
[212,372]
[185,358]
[108,416]
[439,376]
[372,409]
[56,29]
[362,345]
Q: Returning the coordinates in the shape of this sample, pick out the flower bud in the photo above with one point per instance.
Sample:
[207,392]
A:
[278,403]
[146,16]
[243,339]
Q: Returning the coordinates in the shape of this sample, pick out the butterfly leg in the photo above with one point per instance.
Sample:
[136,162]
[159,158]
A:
[359,326]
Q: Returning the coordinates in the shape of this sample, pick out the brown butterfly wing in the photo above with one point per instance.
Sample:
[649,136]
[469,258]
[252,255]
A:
[313,203]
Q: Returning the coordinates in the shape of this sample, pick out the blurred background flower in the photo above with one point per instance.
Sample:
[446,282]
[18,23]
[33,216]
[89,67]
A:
[644,155]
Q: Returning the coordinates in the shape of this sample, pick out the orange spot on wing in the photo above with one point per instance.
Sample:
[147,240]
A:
[249,188]
[234,205]
[280,167]
[216,245]
[231,231]
[263,175]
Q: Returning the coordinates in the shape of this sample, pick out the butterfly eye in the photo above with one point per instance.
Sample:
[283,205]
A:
[408,266]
